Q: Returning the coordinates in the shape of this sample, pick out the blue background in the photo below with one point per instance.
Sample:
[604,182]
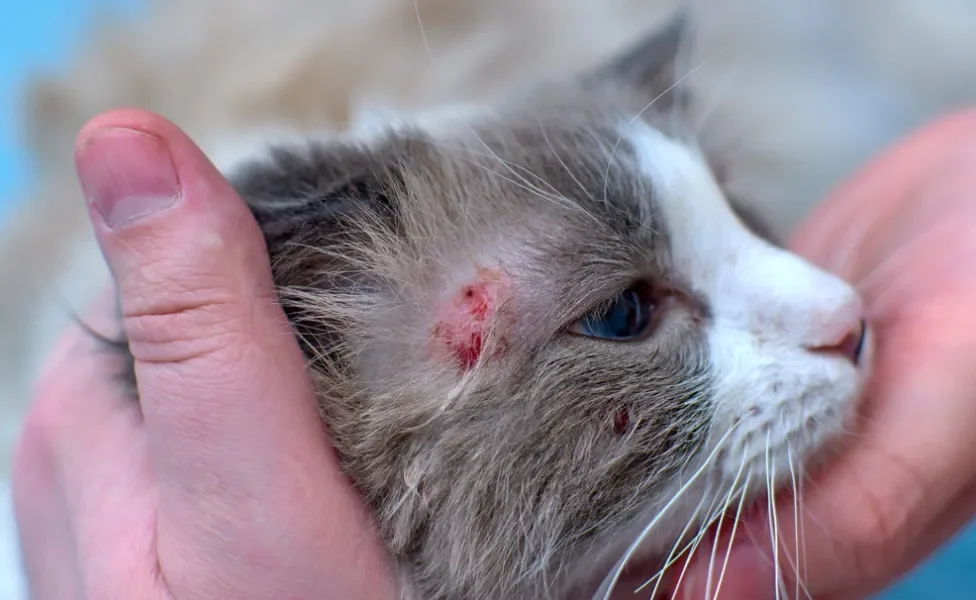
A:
[35,33]
[41,33]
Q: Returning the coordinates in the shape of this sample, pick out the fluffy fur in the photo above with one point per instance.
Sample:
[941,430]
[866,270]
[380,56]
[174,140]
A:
[798,94]
[522,472]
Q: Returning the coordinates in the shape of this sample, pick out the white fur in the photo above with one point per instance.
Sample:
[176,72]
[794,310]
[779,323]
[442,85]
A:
[371,120]
[770,309]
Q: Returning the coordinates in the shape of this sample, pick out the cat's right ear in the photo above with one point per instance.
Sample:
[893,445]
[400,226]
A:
[325,208]
[297,189]
[651,65]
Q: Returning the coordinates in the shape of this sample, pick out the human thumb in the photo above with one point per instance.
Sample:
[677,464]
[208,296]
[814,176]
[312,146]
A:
[231,422]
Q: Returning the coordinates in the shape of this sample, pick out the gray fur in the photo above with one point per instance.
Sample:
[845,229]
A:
[489,485]
[492,484]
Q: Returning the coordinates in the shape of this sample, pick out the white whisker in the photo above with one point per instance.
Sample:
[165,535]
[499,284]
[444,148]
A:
[423,31]
[774,520]
[735,526]
[801,517]
[569,171]
[674,555]
[527,185]
[728,502]
[689,547]
[611,581]
[620,138]
[556,197]
[715,513]
[691,552]
[795,561]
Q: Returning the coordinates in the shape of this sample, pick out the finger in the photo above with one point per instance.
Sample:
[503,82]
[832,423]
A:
[751,565]
[936,535]
[873,196]
[82,485]
[916,452]
[862,517]
[47,550]
[233,431]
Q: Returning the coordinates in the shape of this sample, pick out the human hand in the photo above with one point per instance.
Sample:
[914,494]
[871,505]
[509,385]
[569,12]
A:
[224,485]
[904,231]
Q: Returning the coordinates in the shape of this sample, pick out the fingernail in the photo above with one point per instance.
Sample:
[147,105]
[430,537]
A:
[127,175]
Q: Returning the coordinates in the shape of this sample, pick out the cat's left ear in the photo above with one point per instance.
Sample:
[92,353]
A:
[651,65]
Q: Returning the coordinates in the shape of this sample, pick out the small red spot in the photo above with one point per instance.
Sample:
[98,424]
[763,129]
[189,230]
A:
[621,421]
[468,316]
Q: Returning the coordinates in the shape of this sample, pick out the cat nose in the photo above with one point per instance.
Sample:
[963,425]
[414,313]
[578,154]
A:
[850,345]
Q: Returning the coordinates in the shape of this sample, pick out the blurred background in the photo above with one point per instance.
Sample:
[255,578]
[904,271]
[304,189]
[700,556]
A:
[801,92]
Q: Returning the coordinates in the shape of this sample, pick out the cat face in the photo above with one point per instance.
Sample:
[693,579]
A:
[532,324]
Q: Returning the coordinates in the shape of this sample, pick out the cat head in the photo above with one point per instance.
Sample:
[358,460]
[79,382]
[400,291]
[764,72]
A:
[537,326]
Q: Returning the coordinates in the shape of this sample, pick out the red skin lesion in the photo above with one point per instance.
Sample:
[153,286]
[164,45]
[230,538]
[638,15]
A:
[466,319]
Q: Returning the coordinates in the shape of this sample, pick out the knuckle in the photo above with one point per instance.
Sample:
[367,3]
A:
[184,324]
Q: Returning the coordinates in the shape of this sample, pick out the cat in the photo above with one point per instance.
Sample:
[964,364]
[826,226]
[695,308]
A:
[800,92]
[544,340]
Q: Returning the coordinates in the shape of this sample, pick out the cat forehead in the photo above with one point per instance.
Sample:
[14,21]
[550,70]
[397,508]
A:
[549,151]
[652,192]
[569,172]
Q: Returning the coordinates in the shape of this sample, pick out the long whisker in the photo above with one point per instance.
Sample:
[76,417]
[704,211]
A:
[728,501]
[620,138]
[689,548]
[735,526]
[774,520]
[801,516]
[675,554]
[796,525]
[611,581]
[795,561]
[716,513]
[527,184]
[569,171]
[556,197]
[719,93]
[521,181]
[423,31]
[691,554]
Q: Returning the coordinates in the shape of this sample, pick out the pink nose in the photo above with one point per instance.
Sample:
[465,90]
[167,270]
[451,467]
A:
[851,344]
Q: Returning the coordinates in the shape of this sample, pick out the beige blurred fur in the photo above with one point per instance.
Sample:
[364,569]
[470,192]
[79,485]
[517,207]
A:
[804,90]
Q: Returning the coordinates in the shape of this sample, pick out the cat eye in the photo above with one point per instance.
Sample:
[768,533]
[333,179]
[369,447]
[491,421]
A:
[629,316]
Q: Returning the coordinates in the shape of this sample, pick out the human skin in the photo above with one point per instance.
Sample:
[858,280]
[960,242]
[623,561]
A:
[225,486]
[904,231]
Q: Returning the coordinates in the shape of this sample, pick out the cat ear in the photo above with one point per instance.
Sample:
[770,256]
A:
[650,65]
[324,208]
[295,191]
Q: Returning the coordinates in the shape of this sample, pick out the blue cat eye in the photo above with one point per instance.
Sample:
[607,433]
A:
[628,317]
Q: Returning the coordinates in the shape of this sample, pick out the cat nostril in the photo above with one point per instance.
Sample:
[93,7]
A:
[852,344]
